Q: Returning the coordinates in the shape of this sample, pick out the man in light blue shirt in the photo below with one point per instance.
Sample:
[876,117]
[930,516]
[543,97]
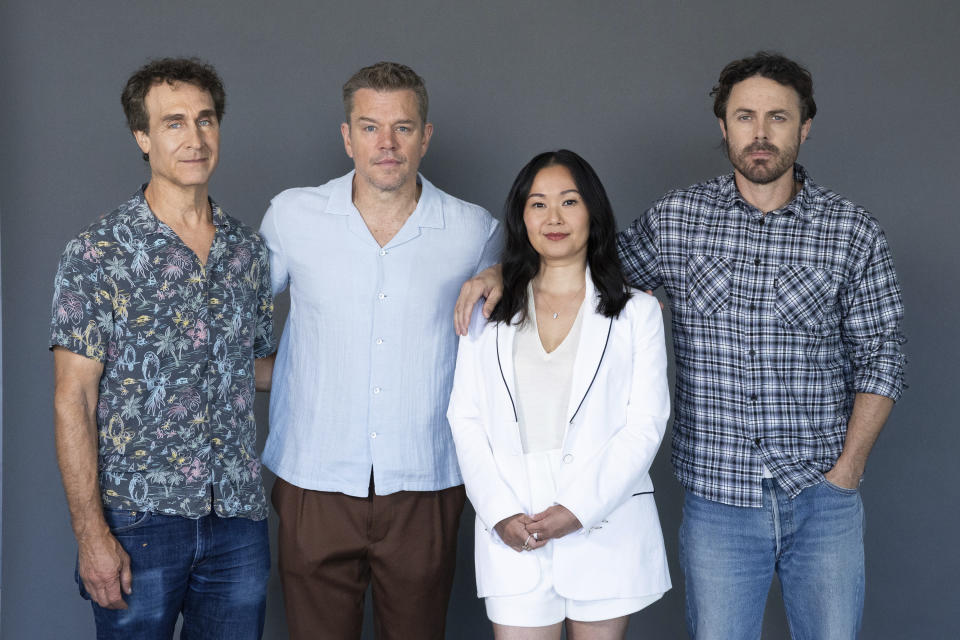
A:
[368,486]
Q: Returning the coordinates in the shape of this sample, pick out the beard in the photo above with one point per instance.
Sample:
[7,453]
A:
[767,170]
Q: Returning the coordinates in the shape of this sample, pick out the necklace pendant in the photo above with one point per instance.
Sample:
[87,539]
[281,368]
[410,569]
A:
[555,316]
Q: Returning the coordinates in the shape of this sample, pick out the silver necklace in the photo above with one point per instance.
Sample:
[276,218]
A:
[553,313]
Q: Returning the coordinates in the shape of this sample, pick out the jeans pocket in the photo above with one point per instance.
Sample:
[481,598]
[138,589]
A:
[124,520]
[841,490]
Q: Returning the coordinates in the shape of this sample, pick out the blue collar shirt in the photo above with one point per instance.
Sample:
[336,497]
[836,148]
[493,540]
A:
[177,339]
[365,366]
[779,320]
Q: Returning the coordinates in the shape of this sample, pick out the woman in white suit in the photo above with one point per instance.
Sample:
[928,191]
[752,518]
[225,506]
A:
[558,408]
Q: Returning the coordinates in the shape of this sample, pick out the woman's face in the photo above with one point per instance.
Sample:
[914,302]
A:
[557,220]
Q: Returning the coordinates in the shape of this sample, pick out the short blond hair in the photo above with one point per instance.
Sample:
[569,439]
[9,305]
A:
[386,76]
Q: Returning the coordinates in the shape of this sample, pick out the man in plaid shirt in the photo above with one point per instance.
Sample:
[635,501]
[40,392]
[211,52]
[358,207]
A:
[786,327]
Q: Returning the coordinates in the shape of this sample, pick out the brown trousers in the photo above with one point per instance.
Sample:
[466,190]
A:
[332,546]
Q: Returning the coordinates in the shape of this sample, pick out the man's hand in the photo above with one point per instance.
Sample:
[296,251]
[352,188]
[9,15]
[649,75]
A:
[843,477]
[104,568]
[870,413]
[513,532]
[489,284]
[555,522]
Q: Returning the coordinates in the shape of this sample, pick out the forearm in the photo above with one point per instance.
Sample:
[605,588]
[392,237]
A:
[263,371]
[870,412]
[76,441]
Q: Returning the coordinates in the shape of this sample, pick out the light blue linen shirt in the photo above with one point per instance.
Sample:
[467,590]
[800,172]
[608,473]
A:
[365,365]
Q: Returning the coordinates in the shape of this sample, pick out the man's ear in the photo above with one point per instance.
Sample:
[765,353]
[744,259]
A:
[345,132]
[723,127]
[143,140]
[805,130]
[427,134]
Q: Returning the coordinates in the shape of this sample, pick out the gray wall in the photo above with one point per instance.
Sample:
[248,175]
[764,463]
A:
[625,84]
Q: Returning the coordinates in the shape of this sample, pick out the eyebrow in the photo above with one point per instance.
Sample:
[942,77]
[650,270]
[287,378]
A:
[746,110]
[371,120]
[540,195]
[171,117]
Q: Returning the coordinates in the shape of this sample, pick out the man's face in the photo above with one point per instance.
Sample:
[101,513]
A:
[184,137]
[762,129]
[385,137]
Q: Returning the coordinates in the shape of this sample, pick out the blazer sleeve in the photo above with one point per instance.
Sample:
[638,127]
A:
[468,413]
[612,475]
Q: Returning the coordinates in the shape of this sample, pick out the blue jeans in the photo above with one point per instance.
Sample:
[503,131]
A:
[813,541]
[212,570]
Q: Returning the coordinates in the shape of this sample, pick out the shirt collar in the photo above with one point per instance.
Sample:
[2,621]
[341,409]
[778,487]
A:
[428,212]
[148,223]
[801,206]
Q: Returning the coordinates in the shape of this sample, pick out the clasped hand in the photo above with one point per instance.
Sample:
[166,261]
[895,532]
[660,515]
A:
[521,532]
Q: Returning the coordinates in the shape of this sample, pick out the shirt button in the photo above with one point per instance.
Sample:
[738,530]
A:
[753,398]
[567,459]
[373,435]
[756,261]
[756,441]
[381,295]
[753,307]
[753,352]
[377,390]
[383,252]
[761,222]
[379,340]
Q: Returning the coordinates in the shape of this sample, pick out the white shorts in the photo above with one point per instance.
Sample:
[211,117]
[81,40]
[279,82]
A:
[543,606]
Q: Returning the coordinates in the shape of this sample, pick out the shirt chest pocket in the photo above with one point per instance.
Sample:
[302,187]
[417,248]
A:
[708,283]
[805,295]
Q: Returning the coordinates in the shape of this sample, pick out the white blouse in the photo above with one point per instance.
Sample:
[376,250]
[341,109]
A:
[542,382]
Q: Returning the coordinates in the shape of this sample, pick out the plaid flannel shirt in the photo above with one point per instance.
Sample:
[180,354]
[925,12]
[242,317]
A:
[778,321]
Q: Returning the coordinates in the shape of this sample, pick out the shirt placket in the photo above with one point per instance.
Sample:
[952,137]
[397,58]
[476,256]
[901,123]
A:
[755,273]
[382,350]
[210,376]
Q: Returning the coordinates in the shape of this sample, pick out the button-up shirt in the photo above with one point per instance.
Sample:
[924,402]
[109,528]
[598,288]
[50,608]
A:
[365,365]
[778,321]
[177,340]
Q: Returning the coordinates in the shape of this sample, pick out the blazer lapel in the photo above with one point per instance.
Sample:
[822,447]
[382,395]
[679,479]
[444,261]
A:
[506,332]
[594,333]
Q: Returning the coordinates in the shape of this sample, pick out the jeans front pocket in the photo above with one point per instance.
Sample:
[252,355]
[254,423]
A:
[841,490]
[126,520]
[708,283]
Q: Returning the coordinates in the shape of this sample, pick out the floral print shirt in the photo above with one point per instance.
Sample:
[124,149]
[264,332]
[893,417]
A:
[177,339]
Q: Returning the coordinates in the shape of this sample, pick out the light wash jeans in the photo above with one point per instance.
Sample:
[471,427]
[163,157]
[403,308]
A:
[212,570]
[814,542]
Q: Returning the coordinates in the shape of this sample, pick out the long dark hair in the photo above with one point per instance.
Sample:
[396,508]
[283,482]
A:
[521,262]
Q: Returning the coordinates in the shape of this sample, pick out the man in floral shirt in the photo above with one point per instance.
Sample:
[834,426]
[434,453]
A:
[159,309]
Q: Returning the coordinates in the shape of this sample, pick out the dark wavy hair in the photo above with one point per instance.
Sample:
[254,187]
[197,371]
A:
[770,65]
[170,70]
[520,260]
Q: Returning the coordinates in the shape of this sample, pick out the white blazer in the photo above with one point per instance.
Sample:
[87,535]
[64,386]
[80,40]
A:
[619,405]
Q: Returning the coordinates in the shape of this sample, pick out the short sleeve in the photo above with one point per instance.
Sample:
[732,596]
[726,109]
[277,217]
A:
[492,248]
[82,311]
[270,233]
[263,343]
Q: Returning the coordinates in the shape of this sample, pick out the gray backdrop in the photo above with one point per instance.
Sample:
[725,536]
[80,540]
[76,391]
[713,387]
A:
[624,84]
